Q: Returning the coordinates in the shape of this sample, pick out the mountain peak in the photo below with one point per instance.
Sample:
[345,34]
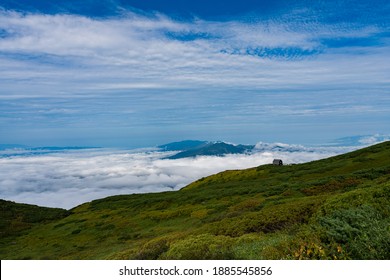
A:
[217,148]
[183,145]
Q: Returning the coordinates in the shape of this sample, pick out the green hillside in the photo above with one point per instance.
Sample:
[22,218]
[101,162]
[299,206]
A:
[17,218]
[336,208]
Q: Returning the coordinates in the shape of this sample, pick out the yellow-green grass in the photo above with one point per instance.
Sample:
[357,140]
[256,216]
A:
[335,208]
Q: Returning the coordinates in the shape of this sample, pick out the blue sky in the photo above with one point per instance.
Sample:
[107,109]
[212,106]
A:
[142,73]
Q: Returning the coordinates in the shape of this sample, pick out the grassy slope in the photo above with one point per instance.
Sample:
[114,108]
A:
[336,208]
[17,219]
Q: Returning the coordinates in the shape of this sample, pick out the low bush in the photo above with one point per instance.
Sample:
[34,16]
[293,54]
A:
[261,246]
[153,249]
[201,247]
[362,232]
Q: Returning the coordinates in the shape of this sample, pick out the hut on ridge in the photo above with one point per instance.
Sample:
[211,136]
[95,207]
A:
[277,162]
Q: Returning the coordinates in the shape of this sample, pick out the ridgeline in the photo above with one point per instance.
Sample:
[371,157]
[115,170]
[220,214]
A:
[335,208]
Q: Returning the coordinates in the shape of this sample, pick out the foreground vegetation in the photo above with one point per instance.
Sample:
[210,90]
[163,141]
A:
[336,208]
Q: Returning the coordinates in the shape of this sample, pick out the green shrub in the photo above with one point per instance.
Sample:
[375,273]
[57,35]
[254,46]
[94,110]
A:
[247,205]
[269,220]
[153,249]
[76,231]
[260,246]
[199,214]
[201,247]
[332,186]
[362,232]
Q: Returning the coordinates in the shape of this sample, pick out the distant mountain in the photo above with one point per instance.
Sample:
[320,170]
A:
[183,145]
[55,148]
[213,149]
[12,146]
[20,150]
[193,148]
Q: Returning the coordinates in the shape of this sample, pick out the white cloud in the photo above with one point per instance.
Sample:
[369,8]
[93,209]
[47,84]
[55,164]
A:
[70,178]
[76,53]
[155,76]
[372,139]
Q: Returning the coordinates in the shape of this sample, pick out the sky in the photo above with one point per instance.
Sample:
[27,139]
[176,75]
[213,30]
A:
[142,73]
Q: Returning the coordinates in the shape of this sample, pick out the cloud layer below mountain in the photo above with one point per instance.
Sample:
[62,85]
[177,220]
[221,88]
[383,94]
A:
[68,178]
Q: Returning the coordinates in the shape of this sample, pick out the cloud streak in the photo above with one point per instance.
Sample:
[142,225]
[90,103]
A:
[173,54]
[80,78]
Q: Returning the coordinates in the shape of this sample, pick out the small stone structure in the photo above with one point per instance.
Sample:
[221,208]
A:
[277,162]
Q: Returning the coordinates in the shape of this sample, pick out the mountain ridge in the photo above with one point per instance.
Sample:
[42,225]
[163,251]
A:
[183,145]
[217,148]
[334,208]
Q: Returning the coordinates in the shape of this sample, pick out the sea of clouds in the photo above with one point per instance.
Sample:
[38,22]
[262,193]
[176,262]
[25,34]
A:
[67,178]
